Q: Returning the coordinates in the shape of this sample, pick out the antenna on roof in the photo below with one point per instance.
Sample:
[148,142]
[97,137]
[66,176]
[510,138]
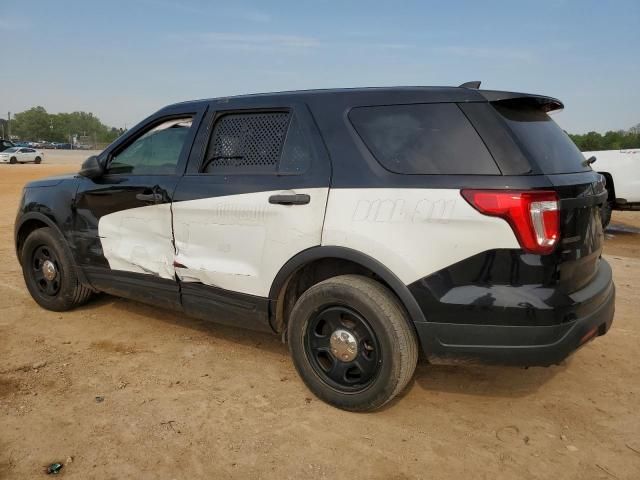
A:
[475,84]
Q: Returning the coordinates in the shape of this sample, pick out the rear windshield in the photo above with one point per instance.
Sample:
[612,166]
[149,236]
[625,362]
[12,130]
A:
[432,138]
[543,140]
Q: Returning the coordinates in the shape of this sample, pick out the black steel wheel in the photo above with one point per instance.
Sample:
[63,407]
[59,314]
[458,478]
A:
[49,273]
[46,271]
[352,343]
[343,348]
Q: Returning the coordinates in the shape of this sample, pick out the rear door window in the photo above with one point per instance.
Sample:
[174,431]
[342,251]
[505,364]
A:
[423,139]
[542,140]
[254,143]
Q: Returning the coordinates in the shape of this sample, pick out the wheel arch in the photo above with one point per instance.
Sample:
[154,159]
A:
[32,221]
[28,223]
[609,186]
[349,260]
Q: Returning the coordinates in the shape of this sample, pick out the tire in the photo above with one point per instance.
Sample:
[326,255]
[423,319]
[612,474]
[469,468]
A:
[13,160]
[375,322]
[605,213]
[62,291]
[37,160]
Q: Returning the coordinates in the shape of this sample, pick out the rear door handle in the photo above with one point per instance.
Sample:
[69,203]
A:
[149,197]
[290,199]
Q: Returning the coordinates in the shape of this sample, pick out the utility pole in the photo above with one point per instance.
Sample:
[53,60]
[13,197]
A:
[9,126]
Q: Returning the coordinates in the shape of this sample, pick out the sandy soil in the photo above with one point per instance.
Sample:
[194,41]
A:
[187,399]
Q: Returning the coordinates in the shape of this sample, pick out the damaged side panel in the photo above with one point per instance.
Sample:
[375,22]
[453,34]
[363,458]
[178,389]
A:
[240,242]
[139,240]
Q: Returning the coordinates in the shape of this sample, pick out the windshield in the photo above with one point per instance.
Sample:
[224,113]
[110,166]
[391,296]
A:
[10,150]
[543,140]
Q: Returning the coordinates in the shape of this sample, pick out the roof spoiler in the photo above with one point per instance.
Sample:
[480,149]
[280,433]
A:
[474,84]
[546,104]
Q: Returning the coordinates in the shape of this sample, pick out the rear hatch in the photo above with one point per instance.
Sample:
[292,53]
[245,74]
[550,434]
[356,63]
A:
[533,144]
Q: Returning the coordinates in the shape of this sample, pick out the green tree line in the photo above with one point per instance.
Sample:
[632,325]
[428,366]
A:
[37,124]
[609,141]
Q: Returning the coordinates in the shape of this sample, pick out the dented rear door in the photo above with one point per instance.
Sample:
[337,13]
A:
[254,196]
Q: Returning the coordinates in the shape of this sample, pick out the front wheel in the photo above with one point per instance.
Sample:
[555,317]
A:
[13,160]
[352,343]
[48,272]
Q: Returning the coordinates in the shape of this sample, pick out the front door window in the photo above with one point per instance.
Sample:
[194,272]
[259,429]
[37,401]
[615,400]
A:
[156,152]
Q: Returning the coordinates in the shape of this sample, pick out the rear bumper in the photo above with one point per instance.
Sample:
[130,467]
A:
[526,345]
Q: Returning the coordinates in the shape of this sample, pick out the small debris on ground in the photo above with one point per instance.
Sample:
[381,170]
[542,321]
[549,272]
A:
[572,448]
[38,365]
[99,399]
[169,423]
[54,468]
[632,449]
[606,470]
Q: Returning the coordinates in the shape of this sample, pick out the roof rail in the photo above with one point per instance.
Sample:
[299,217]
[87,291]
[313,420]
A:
[474,84]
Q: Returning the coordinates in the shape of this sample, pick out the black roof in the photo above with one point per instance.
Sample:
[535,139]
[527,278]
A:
[401,94]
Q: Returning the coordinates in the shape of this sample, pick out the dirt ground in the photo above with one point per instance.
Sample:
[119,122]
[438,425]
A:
[188,399]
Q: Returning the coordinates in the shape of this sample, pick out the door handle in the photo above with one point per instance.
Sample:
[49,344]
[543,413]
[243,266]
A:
[149,197]
[290,199]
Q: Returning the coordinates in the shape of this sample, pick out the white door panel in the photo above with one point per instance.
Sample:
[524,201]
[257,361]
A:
[139,240]
[240,242]
[414,232]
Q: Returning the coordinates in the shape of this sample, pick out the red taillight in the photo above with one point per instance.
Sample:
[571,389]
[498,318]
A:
[533,215]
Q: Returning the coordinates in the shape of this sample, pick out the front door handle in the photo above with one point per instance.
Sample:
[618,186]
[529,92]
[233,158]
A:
[149,197]
[290,199]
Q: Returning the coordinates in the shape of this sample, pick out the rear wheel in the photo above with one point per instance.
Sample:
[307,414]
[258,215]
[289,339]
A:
[49,274]
[352,343]
[605,213]
[13,160]
[38,160]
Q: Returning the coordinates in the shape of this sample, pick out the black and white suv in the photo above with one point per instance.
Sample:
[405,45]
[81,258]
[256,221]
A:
[361,225]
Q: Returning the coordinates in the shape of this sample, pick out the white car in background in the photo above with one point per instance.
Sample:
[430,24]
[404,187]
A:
[621,169]
[21,155]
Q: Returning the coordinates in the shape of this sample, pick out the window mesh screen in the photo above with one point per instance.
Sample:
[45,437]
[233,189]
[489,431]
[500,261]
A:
[247,141]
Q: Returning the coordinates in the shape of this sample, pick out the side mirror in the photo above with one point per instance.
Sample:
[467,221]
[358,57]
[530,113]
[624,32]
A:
[92,167]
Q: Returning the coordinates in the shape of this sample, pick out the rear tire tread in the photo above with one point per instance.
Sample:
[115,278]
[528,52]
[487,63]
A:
[407,343]
[403,350]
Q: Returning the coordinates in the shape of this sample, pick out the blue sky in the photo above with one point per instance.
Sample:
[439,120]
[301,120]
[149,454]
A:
[124,60]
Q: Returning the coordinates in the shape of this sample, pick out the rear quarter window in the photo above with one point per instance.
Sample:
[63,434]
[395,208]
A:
[542,140]
[421,139]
